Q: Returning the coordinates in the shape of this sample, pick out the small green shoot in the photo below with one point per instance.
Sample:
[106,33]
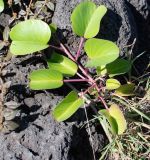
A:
[112,84]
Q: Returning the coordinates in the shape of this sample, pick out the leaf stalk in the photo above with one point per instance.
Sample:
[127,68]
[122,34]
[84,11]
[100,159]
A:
[76,80]
[80,48]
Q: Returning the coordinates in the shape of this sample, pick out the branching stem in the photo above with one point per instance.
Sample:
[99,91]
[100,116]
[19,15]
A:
[67,52]
[87,90]
[90,80]
[78,74]
[80,67]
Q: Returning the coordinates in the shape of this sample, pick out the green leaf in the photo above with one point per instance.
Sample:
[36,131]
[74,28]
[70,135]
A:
[126,90]
[118,67]
[29,36]
[106,127]
[112,84]
[117,114]
[1,5]
[115,118]
[67,107]
[101,70]
[62,64]
[100,52]
[86,19]
[53,28]
[111,120]
[45,79]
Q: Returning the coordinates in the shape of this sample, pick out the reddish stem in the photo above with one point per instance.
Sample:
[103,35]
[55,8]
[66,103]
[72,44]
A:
[80,75]
[76,80]
[101,98]
[103,101]
[86,74]
[67,52]
[80,67]
[79,49]
[90,80]
[87,90]
[57,48]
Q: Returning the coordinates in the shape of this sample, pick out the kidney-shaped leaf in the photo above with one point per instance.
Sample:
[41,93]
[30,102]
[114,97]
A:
[62,64]
[67,107]
[29,36]
[117,114]
[1,5]
[112,84]
[111,120]
[45,79]
[115,118]
[118,67]
[86,19]
[100,52]
[126,90]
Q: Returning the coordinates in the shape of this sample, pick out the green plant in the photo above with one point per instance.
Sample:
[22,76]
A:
[134,143]
[1,5]
[33,35]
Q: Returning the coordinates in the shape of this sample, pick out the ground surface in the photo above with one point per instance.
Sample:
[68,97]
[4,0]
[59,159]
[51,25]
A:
[39,136]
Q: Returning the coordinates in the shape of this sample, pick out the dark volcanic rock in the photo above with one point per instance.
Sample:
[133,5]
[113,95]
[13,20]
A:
[141,7]
[39,136]
[42,140]
[141,12]
[4,19]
